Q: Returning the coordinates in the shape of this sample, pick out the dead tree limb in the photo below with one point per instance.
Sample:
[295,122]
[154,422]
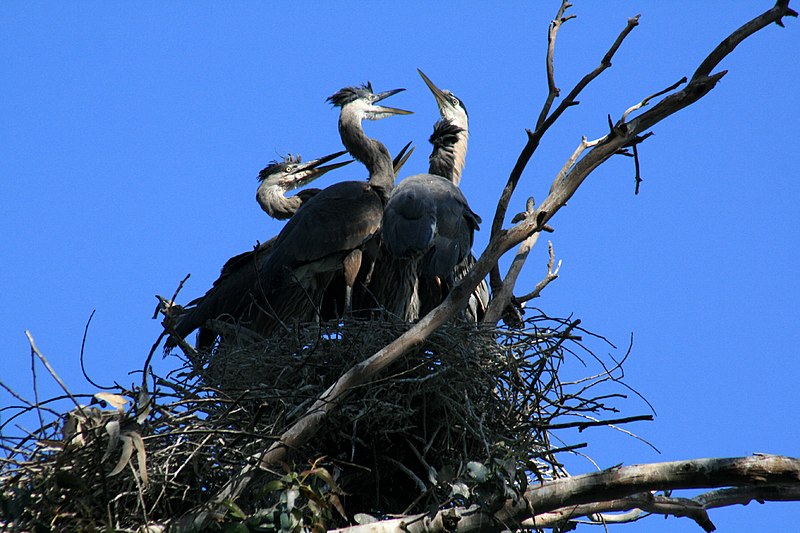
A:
[625,133]
[758,470]
[502,297]
[759,477]
[621,135]
[638,506]
[552,274]
[547,119]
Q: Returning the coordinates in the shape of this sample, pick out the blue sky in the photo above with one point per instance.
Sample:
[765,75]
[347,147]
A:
[130,139]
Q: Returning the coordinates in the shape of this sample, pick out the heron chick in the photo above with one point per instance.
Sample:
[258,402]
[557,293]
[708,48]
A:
[335,228]
[232,294]
[281,177]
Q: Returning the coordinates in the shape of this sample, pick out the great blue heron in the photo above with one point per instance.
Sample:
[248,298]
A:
[279,178]
[334,229]
[448,161]
[232,294]
[427,231]
[428,225]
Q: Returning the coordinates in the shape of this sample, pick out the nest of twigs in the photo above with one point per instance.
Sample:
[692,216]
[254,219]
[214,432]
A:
[463,419]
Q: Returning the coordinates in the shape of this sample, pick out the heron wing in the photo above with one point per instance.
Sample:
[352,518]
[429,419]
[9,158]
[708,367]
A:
[336,221]
[230,295]
[456,224]
[409,221]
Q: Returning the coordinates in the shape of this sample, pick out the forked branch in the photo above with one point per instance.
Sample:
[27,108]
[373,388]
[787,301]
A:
[547,119]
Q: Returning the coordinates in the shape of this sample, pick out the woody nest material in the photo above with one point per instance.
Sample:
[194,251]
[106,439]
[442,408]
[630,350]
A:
[464,419]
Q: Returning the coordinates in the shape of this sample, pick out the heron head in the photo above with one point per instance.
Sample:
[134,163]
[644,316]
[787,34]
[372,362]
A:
[292,173]
[362,100]
[450,106]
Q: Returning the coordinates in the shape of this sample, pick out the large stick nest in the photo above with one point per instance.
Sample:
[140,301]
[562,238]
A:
[464,419]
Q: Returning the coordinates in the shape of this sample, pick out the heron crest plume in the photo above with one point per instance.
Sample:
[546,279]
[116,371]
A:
[346,95]
[275,166]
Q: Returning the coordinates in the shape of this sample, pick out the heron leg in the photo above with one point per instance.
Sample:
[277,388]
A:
[352,264]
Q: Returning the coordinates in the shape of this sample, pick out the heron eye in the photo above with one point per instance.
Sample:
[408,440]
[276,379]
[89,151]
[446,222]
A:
[289,168]
[454,101]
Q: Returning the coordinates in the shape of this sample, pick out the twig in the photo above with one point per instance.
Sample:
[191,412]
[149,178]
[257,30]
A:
[552,33]
[638,176]
[583,425]
[654,95]
[83,347]
[552,275]
[35,382]
[501,298]
[15,395]
[165,308]
[43,359]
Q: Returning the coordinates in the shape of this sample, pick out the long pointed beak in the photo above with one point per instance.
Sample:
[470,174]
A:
[316,162]
[386,94]
[311,170]
[438,94]
[401,157]
[379,111]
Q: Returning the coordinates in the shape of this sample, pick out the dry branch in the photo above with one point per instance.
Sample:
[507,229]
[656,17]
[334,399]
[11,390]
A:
[758,470]
[552,275]
[543,124]
[760,477]
[637,506]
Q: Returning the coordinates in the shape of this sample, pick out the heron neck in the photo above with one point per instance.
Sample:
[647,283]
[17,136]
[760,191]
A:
[371,152]
[273,201]
[459,156]
[448,160]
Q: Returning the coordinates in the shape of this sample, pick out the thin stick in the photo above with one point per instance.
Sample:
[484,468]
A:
[583,425]
[35,350]
[83,347]
[35,384]
[552,275]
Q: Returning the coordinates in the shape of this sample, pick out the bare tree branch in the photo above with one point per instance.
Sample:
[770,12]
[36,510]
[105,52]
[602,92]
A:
[35,351]
[502,298]
[535,137]
[760,478]
[552,33]
[552,275]
[587,424]
[776,14]
[640,505]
